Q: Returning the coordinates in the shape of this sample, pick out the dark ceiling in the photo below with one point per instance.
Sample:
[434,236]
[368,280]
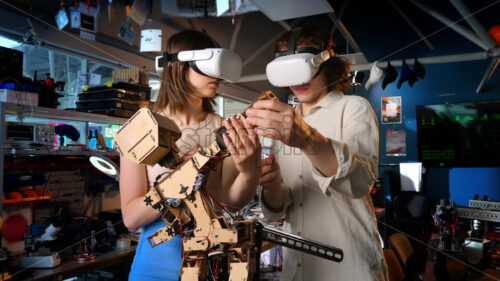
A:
[380,30]
[377,26]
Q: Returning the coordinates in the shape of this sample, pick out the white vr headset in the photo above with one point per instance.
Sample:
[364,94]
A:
[296,69]
[296,66]
[213,62]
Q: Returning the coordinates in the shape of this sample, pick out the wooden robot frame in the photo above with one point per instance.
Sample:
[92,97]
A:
[233,246]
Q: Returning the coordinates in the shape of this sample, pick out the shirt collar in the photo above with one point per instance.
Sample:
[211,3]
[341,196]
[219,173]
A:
[327,101]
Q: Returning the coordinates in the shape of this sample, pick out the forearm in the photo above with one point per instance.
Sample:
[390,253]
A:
[274,198]
[242,190]
[321,153]
[136,214]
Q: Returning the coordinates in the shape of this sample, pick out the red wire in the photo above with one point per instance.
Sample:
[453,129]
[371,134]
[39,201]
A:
[237,255]
[217,203]
[216,273]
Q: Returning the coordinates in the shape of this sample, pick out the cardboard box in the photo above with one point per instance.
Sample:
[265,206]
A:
[19,97]
[131,75]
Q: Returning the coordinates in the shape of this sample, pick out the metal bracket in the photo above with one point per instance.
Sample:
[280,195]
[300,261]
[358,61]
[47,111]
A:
[301,244]
[477,214]
[485,205]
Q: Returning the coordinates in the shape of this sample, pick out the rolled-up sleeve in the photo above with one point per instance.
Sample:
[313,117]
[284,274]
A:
[275,216]
[356,152]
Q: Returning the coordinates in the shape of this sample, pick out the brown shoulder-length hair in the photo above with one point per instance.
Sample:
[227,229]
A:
[336,69]
[175,89]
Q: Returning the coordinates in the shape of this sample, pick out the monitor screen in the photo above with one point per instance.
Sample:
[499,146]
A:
[459,134]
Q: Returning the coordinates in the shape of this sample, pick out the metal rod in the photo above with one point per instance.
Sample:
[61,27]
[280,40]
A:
[342,10]
[271,41]
[263,47]
[236,32]
[412,25]
[428,60]
[383,64]
[453,25]
[301,244]
[236,92]
[252,78]
[285,25]
[347,35]
[487,75]
[476,214]
[474,23]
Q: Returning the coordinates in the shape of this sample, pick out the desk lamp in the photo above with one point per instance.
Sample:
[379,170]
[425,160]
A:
[105,165]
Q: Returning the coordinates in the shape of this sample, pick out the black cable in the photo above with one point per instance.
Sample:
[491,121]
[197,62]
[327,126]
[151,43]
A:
[212,156]
[159,176]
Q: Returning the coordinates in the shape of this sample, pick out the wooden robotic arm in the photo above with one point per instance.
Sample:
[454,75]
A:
[233,246]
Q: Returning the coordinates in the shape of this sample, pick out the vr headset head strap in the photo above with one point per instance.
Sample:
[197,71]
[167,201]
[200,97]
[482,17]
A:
[292,40]
[166,58]
[193,65]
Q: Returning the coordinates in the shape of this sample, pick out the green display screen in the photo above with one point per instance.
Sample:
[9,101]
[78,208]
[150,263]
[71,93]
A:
[459,135]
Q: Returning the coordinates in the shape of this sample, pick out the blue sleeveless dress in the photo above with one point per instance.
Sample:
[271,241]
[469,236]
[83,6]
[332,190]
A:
[162,262]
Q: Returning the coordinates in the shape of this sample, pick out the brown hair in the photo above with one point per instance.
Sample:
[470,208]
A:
[336,69]
[175,89]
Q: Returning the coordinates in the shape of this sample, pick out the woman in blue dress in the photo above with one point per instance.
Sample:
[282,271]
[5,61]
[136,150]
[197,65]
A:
[187,97]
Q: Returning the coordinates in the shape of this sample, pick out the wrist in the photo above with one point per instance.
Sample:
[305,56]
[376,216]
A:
[273,198]
[248,177]
[306,136]
[313,142]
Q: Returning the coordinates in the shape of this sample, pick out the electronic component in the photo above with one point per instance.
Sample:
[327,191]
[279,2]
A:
[26,134]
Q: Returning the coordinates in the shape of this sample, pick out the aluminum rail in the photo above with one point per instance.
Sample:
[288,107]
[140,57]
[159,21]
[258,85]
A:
[298,243]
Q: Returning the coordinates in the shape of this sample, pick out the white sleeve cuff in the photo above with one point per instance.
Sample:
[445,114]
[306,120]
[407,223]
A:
[275,216]
[344,159]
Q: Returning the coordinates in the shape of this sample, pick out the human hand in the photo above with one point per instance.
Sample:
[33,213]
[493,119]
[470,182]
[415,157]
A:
[279,121]
[271,175]
[190,153]
[244,146]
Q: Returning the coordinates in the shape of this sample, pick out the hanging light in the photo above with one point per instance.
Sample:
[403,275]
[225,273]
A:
[150,37]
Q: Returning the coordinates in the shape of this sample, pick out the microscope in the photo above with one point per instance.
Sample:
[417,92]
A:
[37,255]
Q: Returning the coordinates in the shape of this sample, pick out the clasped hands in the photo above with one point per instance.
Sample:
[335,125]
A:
[276,120]
[271,119]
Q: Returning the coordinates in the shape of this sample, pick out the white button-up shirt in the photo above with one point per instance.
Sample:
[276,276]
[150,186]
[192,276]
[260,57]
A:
[335,210]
